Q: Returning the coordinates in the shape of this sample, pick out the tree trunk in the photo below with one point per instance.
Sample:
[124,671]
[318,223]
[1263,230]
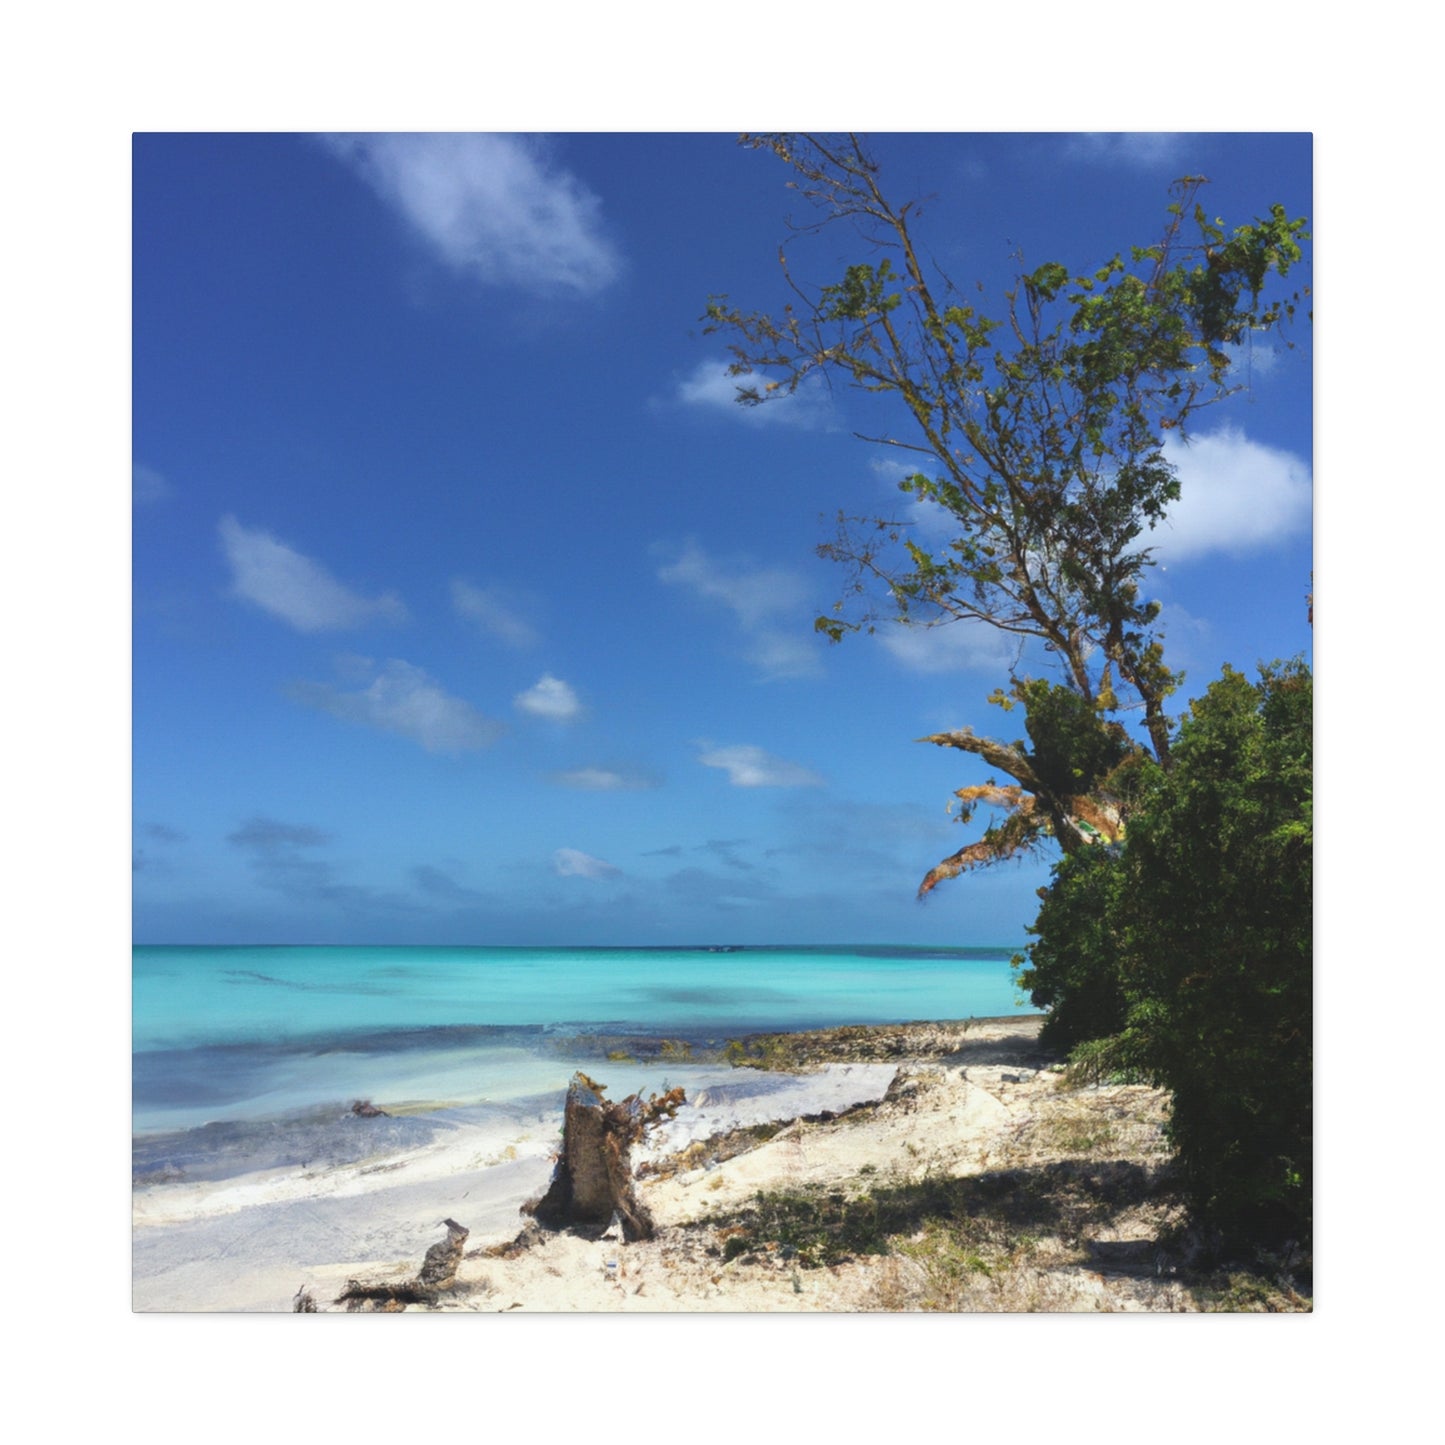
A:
[593,1177]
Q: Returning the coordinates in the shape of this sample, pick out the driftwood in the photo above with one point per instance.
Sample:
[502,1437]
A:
[438,1273]
[593,1178]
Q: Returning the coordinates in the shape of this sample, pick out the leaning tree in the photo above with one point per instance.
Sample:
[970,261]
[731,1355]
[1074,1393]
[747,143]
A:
[1039,431]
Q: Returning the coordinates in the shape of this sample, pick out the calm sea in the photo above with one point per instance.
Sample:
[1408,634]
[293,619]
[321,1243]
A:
[250,1039]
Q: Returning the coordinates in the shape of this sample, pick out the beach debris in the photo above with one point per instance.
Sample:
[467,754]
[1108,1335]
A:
[439,1267]
[593,1183]
[516,1247]
[365,1109]
[304,1302]
[438,1273]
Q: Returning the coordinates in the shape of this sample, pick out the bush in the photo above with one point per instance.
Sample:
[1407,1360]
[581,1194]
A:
[1218,956]
[1190,949]
[1073,967]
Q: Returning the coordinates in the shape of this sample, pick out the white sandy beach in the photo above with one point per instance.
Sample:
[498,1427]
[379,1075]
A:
[250,1243]
[1002,1192]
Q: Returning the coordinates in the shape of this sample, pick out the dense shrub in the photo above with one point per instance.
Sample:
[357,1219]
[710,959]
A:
[1218,962]
[1073,966]
[1191,947]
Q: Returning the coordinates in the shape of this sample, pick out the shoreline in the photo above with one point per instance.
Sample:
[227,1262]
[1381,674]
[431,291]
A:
[893,1167]
[245,1239]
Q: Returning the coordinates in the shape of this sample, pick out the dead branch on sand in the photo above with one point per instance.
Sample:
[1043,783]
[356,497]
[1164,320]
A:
[438,1273]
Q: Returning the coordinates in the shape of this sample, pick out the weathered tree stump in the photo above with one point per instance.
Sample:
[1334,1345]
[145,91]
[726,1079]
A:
[593,1178]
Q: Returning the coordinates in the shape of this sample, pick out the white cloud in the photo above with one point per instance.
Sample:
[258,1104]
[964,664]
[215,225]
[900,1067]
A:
[751,767]
[495,207]
[956,646]
[405,700]
[755,594]
[294,588]
[1236,496]
[1253,358]
[550,697]
[604,780]
[1191,643]
[493,614]
[572,863]
[758,597]
[932,523]
[1130,148]
[147,485]
[784,654]
[710,386]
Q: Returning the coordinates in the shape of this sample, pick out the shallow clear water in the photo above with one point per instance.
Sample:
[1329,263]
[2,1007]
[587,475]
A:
[246,1033]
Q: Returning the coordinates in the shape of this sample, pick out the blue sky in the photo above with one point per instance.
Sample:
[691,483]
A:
[469,608]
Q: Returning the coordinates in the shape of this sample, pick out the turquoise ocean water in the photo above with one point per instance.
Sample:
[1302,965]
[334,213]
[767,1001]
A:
[241,1043]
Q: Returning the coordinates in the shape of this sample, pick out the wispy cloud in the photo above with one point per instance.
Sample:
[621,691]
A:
[1253,358]
[750,767]
[443,887]
[405,700]
[1193,643]
[1236,496]
[147,485]
[281,856]
[267,835]
[962,645]
[295,588]
[495,207]
[572,863]
[550,697]
[761,599]
[158,833]
[722,892]
[710,386]
[605,780]
[1140,149]
[494,613]
[866,841]
[932,523]
[779,654]
[755,594]
[725,850]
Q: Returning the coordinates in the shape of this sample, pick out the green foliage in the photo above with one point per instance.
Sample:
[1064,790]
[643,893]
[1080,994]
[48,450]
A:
[1187,954]
[1073,964]
[1042,425]
[1220,959]
[1038,431]
[813,1225]
[1177,925]
[1072,749]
